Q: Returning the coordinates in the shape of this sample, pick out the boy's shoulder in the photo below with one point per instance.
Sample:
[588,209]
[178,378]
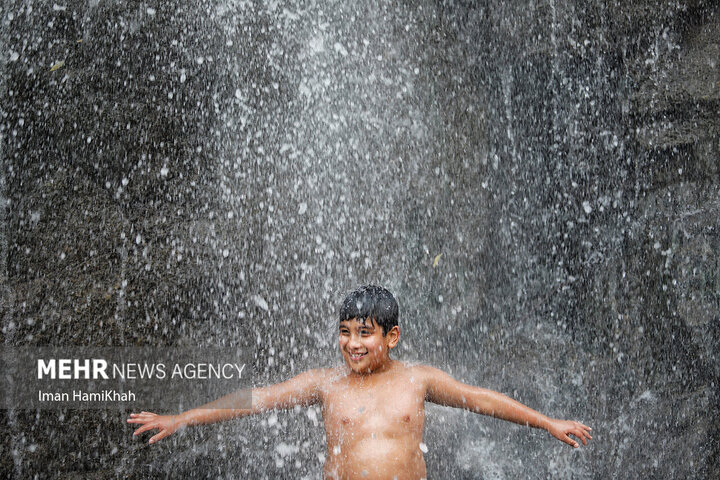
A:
[323,376]
[425,375]
[417,367]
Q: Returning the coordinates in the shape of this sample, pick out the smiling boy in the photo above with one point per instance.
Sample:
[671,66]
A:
[373,407]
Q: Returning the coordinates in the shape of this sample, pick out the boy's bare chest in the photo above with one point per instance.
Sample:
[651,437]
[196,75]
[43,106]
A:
[380,408]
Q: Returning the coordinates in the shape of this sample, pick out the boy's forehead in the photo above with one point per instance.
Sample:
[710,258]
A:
[362,321]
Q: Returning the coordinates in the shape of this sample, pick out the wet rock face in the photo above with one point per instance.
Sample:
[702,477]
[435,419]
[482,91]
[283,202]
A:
[225,171]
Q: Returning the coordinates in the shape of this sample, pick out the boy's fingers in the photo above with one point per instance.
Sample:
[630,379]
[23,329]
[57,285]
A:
[144,428]
[142,417]
[159,436]
[570,442]
[579,433]
[138,420]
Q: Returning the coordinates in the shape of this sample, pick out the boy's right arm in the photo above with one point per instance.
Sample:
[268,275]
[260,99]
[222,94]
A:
[303,390]
[445,390]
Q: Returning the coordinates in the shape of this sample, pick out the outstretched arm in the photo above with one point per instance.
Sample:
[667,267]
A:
[442,389]
[301,390]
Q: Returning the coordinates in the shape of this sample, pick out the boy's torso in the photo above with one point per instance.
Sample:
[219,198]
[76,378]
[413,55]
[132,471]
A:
[374,424]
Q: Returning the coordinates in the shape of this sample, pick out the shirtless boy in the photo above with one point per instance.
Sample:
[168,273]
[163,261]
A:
[373,407]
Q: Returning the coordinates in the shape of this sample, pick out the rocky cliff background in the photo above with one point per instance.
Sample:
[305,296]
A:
[537,183]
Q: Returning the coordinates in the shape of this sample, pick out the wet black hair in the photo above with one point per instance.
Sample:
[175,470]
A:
[373,302]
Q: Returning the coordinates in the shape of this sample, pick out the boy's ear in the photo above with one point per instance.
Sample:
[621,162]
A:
[393,336]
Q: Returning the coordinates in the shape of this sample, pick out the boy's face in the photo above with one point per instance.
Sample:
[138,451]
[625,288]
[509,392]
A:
[363,345]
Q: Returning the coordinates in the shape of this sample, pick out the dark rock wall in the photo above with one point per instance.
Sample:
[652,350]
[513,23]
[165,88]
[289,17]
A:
[222,172]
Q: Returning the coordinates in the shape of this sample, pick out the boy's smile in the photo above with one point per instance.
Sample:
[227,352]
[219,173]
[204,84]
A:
[363,345]
[356,357]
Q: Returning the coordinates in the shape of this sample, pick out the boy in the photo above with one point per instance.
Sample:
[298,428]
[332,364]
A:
[373,407]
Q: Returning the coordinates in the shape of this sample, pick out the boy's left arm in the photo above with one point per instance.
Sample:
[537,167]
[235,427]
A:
[442,389]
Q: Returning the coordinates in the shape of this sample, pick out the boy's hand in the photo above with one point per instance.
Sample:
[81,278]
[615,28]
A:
[167,424]
[560,429]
